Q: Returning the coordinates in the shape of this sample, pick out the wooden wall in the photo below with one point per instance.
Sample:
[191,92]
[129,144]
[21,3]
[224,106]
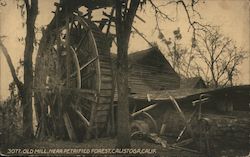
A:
[143,78]
[149,71]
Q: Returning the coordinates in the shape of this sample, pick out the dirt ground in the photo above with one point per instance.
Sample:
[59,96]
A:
[108,143]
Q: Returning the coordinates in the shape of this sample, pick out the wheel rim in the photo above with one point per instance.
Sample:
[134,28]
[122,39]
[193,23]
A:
[85,70]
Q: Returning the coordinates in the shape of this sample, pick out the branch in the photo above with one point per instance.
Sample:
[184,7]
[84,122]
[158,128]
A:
[223,47]
[141,35]
[3,3]
[134,4]
[192,23]
[158,11]
[18,83]
[27,5]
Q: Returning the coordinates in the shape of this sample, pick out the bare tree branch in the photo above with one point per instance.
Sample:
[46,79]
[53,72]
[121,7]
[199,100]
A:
[160,12]
[18,83]
[220,55]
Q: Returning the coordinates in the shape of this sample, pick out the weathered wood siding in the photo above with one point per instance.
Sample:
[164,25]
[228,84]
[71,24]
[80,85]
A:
[149,71]
[144,78]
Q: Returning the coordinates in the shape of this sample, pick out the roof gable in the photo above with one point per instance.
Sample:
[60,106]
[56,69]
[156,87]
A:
[150,57]
[193,82]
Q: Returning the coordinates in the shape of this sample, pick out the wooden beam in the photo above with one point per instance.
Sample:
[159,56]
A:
[200,101]
[69,127]
[184,129]
[85,65]
[110,20]
[144,110]
[84,119]
[177,107]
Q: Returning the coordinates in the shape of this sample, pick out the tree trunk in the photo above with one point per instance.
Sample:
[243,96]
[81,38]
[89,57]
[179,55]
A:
[32,11]
[124,22]
[18,83]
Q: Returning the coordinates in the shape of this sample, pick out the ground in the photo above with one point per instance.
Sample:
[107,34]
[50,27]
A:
[109,143]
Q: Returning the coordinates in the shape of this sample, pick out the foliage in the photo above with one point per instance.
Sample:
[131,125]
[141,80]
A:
[177,53]
[212,56]
[3,3]
[11,119]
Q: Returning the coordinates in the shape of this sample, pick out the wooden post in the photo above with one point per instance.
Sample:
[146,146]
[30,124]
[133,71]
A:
[184,129]
[177,107]
[68,49]
[69,127]
[0,70]
[60,115]
[163,128]
[110,20]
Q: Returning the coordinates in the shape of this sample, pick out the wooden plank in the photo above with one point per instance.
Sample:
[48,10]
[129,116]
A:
[105,100]
[107,78]
[107,70]
[101,119]
[184,129]
[69,127]
[107,66]
[177,107]
[103,107]
[102,113]
[84,119]
[144,110]
[105,92]
[106,85]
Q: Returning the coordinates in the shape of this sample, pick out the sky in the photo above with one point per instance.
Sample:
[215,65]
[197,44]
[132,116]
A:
[232,15]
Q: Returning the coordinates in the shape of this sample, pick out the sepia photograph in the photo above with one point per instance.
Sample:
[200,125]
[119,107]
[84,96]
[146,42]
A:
[117,78]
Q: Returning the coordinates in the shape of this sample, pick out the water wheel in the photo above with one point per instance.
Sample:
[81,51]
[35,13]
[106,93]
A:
[73,80]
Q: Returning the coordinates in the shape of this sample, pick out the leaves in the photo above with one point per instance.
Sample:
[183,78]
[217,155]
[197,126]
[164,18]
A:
[142,3]
[3,3]
[21,6]
[177,34]
[194,43]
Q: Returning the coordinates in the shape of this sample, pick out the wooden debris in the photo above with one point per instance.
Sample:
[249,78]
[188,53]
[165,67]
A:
[144,110]
[177,107]
[184,149]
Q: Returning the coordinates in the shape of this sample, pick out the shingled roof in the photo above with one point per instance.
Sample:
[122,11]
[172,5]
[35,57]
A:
[193,82]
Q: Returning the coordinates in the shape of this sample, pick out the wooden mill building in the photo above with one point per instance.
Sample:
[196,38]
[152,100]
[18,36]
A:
[193,82]
[149,71]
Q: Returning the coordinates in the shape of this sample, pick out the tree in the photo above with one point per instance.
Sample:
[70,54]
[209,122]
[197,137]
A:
[177,54]
[25,89]
[124,20]
[218,57]
[32,12]
[125,13]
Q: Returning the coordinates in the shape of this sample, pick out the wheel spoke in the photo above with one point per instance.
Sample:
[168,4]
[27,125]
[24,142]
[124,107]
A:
[81,41]
[85,65]
[88,63]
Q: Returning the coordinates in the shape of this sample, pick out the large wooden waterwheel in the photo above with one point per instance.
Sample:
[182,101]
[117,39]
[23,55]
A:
[73,83]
